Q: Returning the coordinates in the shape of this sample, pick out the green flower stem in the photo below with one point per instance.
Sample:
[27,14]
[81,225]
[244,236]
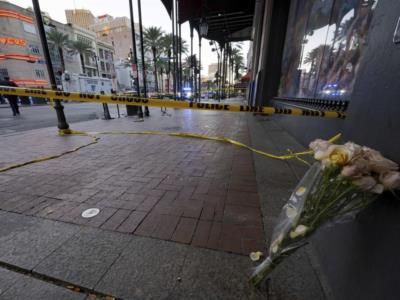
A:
[325,185]
[262,271]
[329,205]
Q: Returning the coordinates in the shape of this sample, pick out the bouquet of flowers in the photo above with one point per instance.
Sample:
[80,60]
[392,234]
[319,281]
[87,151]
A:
[345,180]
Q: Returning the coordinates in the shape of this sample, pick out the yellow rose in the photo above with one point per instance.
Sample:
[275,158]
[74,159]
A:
[339,155]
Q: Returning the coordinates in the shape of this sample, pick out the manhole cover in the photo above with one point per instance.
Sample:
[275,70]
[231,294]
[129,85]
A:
[90,213]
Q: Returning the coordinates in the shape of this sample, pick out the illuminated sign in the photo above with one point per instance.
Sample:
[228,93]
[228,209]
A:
[14,15]
[16,56]
[12,41]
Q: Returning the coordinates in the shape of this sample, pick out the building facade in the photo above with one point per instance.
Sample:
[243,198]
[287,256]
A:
[71,60]
[339,55]
[80,17]
[212,70]
[117,33]
[21,54]
[99,59]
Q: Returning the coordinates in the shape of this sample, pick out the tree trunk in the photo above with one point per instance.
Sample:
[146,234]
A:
[169,70]
[155,69]
[162,80]
[61,53]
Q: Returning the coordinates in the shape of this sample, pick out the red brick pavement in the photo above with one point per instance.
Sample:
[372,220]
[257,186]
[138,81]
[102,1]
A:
[188,191]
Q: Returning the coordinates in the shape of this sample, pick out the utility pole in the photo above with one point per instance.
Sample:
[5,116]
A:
[180,54]
[62,122]
[146,109]
[133,110]
[199,66]
[173,46]
[191,76]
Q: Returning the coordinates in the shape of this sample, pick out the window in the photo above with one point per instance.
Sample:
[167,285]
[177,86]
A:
[107,67]
[324,44]
[34,49]
[84,39]
[101,53]
[39,73]
[30,28]
[3,73]
[102,66]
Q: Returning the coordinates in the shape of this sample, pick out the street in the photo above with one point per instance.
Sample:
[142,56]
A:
[35,117]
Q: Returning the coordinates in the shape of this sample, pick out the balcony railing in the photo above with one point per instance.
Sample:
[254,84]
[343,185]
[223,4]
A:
[312,104]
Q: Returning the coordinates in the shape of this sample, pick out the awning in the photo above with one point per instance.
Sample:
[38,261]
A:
[227,20]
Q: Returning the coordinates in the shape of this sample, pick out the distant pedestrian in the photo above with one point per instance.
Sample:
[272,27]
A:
[107,115]
[12,99]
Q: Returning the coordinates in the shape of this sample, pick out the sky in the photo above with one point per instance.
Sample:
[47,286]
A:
[153,14]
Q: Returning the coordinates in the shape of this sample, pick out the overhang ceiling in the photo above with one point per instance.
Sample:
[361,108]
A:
[227,20]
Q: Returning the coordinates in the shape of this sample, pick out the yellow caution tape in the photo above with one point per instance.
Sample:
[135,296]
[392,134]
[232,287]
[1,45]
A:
[175,134]
[44,158]
[132,100]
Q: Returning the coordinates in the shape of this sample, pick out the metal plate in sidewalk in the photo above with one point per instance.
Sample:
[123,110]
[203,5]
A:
[90,213]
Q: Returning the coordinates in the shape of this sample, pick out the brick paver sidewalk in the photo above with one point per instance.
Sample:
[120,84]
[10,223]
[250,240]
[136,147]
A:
[190,191]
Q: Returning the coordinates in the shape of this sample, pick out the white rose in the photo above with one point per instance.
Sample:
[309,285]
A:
[299,231]
[275,244]
[291,211]
[390,180]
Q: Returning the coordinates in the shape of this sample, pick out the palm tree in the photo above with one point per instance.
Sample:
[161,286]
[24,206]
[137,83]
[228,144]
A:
[166,48]
[314,57]
[184,46]
[234,53]
[237,62]
[152,38]
[81,48]
[61,42]
[162,66]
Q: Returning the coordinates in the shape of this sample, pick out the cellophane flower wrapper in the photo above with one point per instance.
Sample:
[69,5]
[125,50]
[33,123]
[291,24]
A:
[322,195]
[344,181]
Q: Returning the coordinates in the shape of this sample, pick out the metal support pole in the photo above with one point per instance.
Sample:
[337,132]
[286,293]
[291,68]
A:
[146,109]
[220,69]
[133,110]
[218,76]
[227,70]
[173,48]
[62,122]
[223,71]
[191,60]
[176,69]
[199,67]
[180,61]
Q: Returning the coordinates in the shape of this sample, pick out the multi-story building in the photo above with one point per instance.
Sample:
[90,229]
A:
[80,17]
[71,60]
[212,69]
[115,31]
[91,57]
[21,55]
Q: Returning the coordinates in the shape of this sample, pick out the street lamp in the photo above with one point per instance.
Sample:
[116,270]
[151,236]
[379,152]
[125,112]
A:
[62,122]
[203,27]
[132,57]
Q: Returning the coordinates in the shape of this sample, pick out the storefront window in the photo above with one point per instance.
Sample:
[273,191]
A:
[324,45]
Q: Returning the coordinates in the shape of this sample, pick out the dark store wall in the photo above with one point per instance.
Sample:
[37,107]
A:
[361,258]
